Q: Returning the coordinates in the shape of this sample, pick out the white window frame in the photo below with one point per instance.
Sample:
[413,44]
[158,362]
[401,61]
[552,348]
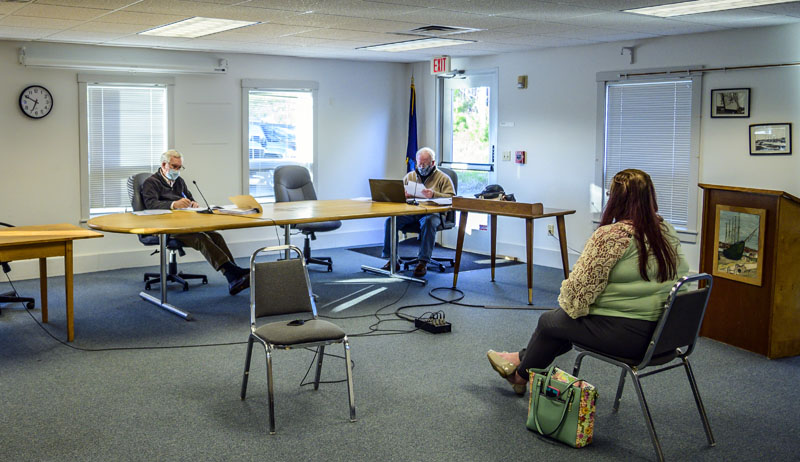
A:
[687,234]
[84,80]
[274,85]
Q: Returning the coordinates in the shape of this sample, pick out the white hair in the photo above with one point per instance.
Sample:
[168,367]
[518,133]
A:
[172,153]
[430,152]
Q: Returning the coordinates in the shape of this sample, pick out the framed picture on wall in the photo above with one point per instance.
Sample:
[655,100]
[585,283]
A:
[770,139]
[730,102]
[739,243]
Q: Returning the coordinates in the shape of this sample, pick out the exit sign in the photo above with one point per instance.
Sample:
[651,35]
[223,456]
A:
[440,65]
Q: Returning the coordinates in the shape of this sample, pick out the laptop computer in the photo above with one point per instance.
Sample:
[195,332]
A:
[387,191]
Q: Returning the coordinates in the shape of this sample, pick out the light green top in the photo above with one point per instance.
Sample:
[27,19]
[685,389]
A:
[606,279]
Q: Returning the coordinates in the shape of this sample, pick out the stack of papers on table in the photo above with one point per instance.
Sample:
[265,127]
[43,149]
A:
[152,212]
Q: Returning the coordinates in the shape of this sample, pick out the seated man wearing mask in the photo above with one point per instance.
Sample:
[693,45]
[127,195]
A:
[433,183]
[167,190]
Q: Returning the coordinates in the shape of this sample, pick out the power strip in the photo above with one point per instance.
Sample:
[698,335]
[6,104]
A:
[433,325]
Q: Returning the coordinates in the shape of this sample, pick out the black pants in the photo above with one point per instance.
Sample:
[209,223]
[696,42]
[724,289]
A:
[556,331]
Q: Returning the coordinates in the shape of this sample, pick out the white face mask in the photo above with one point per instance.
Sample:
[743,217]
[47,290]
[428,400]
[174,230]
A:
[173,174]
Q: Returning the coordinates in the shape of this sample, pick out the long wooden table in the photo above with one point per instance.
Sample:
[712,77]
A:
[529,212]
[42,241]
[273,214]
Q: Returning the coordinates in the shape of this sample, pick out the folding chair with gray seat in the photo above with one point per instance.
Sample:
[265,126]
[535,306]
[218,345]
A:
[674,337]
[280,288]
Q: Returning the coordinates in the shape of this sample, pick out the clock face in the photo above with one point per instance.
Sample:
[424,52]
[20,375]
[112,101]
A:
[36,101]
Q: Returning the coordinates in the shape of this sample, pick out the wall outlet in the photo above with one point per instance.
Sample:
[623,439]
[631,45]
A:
[551,230]
[507,156]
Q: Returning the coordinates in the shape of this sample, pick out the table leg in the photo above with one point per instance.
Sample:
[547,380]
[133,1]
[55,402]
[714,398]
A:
[43,287]
[162,242]
[392,258]
[462,226]
[68,289]
[562,239]
[529,256]
[493,232]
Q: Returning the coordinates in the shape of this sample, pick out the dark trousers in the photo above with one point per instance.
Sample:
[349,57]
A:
[627,338]
[211,244]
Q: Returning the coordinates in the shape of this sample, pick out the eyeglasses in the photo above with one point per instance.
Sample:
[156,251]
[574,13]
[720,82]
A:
[179,167]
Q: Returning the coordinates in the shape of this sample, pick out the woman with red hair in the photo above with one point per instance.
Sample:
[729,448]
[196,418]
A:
[616,291]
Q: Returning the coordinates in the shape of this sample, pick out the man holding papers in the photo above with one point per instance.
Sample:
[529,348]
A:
[165,189]
[425,182]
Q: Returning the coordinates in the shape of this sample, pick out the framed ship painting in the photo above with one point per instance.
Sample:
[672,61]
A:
[739,243]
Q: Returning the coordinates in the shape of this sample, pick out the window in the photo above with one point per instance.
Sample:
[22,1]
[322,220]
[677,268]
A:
[124,131]
[280,131]
[468,112]
[650,125]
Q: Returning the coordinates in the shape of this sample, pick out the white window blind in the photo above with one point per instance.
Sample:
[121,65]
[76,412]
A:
[648,127]
[127,133]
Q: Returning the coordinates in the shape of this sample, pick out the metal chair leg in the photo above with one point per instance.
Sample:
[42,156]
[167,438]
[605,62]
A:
[247,366]
[699,402]
[620,386]
[350,395]
[320,355]
[270,391]
[647,417]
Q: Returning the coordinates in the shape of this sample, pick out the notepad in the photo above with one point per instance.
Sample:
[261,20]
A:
[152,212]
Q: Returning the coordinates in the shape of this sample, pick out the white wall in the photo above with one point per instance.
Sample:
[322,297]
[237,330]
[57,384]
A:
[361,124]
[555,120]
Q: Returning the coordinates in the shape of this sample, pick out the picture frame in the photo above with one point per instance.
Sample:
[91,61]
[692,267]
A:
[739,243]
[771,139]
[731,103]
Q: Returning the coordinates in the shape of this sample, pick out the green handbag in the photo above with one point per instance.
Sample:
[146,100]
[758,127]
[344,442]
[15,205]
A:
[561,406]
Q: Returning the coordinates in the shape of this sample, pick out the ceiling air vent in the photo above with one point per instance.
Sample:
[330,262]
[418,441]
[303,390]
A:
[442,30]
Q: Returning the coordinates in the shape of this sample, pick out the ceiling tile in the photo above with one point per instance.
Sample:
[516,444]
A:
[74,36]
[59,12]
[38,23]
[176,7]
[99,4]
[144,19]
[23,33]
[110,27]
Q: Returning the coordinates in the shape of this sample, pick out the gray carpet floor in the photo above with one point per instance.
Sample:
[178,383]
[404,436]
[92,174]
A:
[419,396]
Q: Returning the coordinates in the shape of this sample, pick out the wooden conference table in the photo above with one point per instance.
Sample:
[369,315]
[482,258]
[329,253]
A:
[273,214]
[527,211]
[42,241]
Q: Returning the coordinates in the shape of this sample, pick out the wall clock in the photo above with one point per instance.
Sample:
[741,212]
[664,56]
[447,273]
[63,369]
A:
[36,101]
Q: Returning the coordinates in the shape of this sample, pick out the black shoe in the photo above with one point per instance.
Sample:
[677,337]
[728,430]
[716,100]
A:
[239,284]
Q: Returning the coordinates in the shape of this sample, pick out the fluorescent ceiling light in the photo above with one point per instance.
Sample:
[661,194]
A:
[700,6]
[196,27]
[416,44]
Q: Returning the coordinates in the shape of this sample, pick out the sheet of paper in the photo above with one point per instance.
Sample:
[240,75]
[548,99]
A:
[193,209]
[152,212]
[362,199]
[441,200]
[414,189]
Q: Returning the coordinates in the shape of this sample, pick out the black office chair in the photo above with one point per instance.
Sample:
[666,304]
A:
[293,183]
[449,222]
[674,338]
[12,296]
[174,246]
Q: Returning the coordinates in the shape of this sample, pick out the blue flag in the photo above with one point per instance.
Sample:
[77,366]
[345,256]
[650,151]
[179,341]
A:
[411,148]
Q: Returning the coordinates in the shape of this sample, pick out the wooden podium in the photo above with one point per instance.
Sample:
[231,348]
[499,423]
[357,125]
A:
[750,243]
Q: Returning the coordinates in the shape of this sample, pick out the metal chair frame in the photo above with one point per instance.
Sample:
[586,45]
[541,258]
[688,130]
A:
[634,367]
[269,347]
[12,296]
